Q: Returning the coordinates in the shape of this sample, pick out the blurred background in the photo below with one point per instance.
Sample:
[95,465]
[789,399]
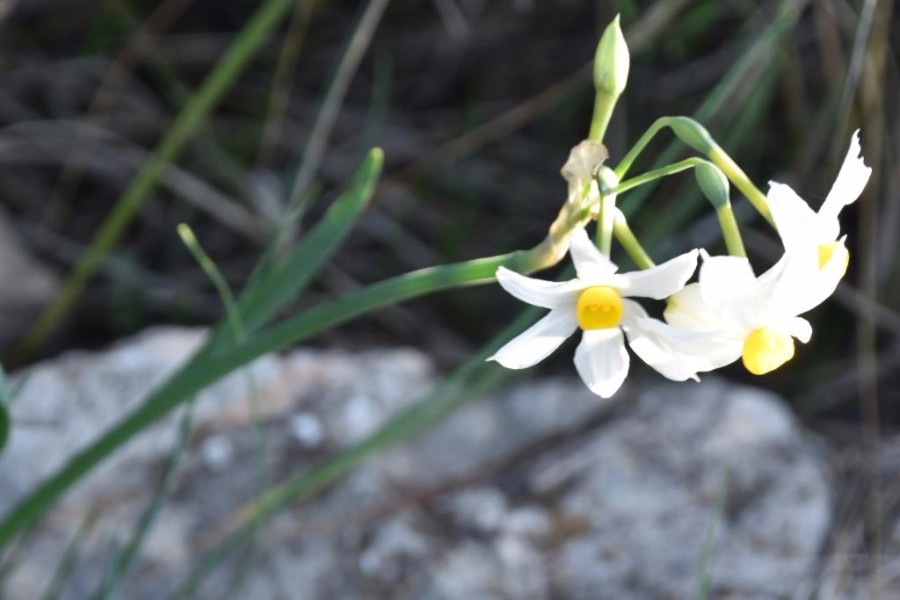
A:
[476,105]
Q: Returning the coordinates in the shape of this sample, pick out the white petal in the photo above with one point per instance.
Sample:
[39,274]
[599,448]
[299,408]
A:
[726,280]
[652,350]
[662,280]
[850,182]
[700,351]
[686,310]
[798,225]
[821,282]
[546,294]
[538,341]
[800,329]
[592,266]
[602,361]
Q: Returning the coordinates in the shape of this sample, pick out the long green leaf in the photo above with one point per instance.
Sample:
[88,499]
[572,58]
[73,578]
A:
[284,280]
[249,40]
[204,368]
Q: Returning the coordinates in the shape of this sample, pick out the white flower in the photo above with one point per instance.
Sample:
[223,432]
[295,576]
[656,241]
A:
[597,302]
[803,230]
[730,313]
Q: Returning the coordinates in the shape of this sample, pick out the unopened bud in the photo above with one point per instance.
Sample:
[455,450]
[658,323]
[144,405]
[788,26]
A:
[713,183]
[692,133]
[612,61]
[606,180]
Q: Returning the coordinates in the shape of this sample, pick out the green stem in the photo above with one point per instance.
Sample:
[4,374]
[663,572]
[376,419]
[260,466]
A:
[682,165]
[628,160]
[714,152]
[742,182]
[730,231]
[604,104]
[630,243]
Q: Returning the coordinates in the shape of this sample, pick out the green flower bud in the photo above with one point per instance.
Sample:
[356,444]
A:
[692,133]
[612,61]
[713,183]
[606,180]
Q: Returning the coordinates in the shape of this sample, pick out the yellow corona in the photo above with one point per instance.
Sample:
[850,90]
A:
[766,349]
[599,307]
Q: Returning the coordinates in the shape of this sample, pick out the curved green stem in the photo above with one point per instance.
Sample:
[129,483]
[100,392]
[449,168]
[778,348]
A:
[682,165]
[628,160]
[630,243]
[730,231]
[695,136]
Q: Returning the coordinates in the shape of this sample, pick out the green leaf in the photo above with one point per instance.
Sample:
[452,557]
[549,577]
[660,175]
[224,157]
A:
[250,39]
[204,368]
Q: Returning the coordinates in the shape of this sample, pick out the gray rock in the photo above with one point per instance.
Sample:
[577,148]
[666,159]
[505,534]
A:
[543,491]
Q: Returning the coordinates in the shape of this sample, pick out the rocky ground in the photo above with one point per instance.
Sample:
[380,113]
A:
[539,491]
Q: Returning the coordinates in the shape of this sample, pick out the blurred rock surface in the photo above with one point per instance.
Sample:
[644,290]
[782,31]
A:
[540,491]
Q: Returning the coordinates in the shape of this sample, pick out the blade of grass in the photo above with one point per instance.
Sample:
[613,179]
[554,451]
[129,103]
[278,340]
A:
[286,278]
[122,560]
[66,566]
[470,381]
[207,367]
[191,117]
[237,326]
[334,97]
[704,580]
[293,274]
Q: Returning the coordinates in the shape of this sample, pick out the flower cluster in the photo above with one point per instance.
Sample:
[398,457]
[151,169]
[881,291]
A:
[729,313]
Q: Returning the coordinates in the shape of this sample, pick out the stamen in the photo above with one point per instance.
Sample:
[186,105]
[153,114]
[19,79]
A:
[599,307]
[766,349]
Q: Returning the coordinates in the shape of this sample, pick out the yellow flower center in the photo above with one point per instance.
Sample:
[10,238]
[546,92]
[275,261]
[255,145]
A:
[599,307]
[766,349]
[826,251]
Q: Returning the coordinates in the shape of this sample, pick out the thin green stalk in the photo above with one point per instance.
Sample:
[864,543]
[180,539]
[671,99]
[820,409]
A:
[318,137]
[704,582]
[730,231]
[122,561]
[604,104]
[630,243]
[212,271]
[629,158]
[240,334]
[649,176]
[193,115]
[70,557]
[742,181]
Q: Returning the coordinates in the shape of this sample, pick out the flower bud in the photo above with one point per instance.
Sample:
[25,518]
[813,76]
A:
[692,133]
[606,180]
[612,61]
[713,183]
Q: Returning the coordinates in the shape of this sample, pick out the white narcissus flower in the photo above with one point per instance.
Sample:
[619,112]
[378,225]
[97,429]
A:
[597,302]
[730,313]
[803,230]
